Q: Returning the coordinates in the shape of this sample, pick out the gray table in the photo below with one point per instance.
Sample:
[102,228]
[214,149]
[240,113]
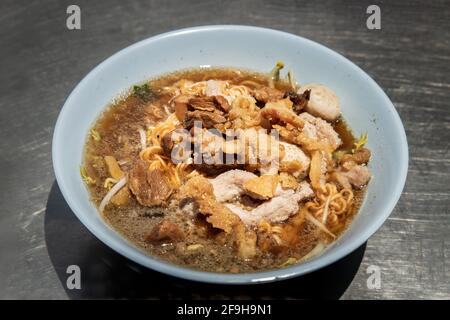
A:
[41,62]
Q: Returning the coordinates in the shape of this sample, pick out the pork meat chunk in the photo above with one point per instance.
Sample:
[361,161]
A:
[277,209]
[230,184]
[322,103]
[151,188]
[319,130]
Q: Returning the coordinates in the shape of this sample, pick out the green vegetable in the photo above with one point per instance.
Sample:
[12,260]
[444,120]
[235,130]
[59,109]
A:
[143,91]
[361,142]
[275,73]
[291,80]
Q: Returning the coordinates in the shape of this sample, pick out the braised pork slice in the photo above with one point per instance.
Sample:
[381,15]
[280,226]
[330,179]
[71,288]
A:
[230,184]
[299,100]
[167,143]
[208,119]
[202,103]
[209,110]
[210,103]
[151,188]
[267,94]
[221,103]
[277,209]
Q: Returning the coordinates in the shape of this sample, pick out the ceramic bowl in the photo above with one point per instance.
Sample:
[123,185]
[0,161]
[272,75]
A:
[364,105]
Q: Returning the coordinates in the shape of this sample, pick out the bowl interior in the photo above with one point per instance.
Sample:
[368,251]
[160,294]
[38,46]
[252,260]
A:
[364,105]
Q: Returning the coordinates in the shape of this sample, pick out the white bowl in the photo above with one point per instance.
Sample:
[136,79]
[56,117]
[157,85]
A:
[364,105]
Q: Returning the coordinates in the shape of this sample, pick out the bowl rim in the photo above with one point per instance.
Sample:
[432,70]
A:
[224,278]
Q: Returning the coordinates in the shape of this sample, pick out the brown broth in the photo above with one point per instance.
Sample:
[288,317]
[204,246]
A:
[118,128]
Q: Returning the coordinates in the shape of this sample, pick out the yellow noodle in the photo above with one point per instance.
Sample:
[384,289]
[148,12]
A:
[330,205]
[277,239]
[273,231]
[154,153]
[229,91]
[277,229]
[333,221]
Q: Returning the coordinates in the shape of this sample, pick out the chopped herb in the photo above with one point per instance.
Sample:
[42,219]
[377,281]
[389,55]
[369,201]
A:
[361,142]
[95,135]
[143,92]
[85,176]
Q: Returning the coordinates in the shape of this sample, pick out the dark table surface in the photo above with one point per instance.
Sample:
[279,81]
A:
[41,61]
